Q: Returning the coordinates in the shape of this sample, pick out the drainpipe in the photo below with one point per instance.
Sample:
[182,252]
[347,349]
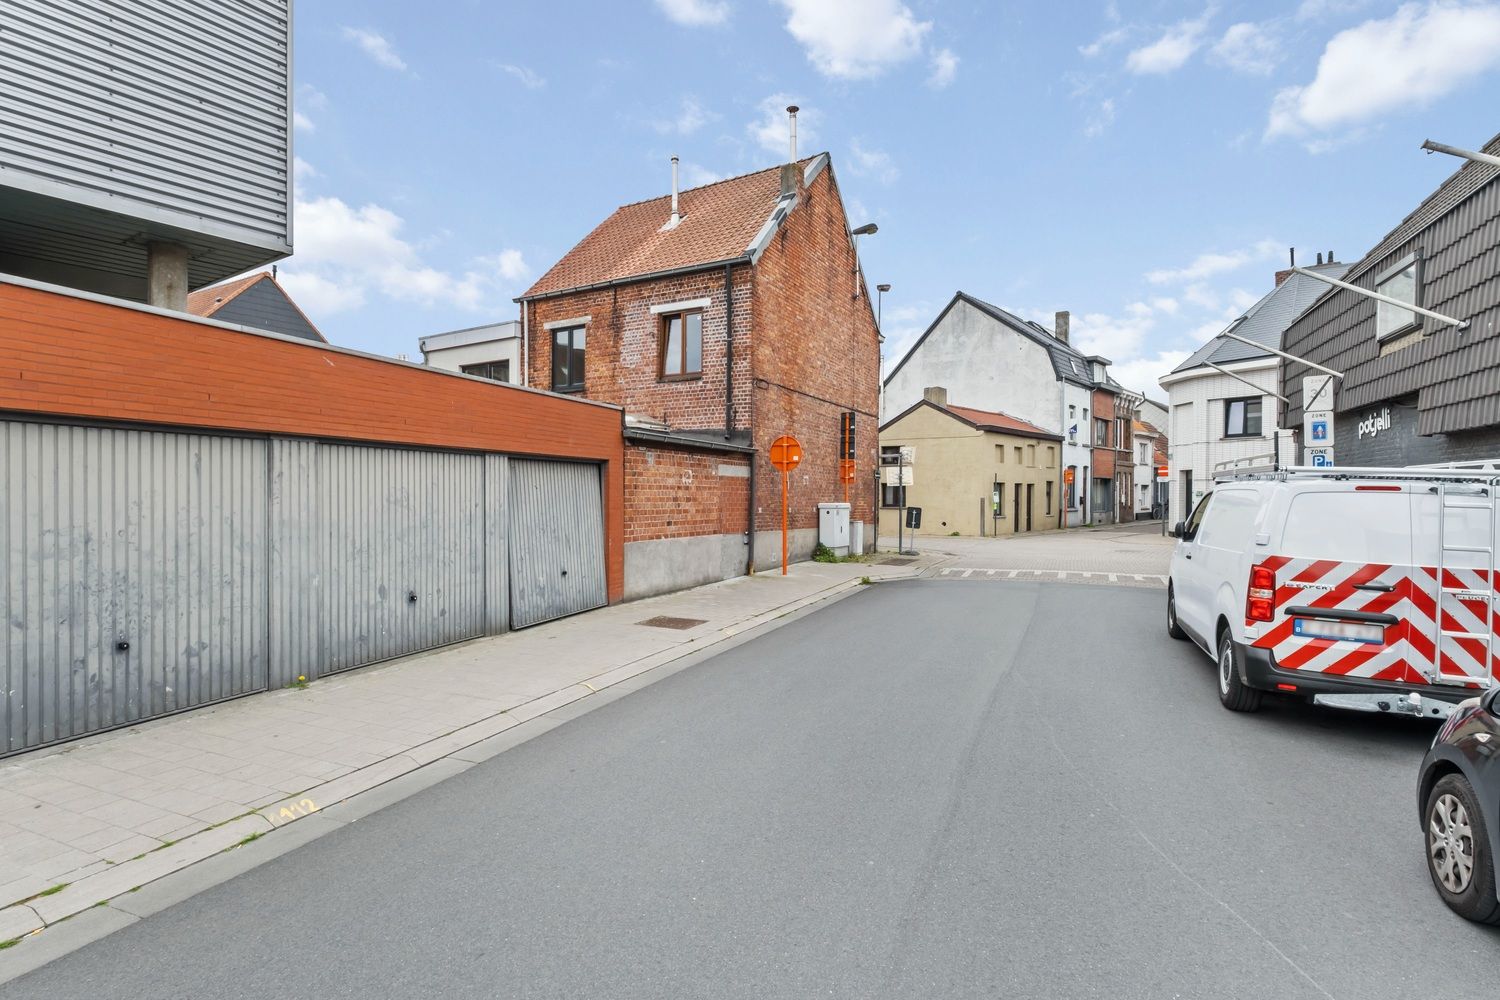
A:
[750,524]
[728,352]
[525,343]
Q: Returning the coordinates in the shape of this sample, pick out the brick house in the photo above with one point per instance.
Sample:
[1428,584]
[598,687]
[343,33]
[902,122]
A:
[720,320]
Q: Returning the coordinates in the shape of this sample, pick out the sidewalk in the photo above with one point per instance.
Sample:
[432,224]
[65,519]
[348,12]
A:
[89,820]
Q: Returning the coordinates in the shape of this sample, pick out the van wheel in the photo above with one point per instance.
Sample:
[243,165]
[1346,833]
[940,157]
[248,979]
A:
[1458,855]
[1173,629]
[1232,694]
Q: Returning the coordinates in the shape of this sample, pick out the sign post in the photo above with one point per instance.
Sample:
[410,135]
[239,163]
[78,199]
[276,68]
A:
[786,455]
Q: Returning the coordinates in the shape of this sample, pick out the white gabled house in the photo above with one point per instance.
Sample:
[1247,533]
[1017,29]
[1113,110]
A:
[1218,418]
[991,359]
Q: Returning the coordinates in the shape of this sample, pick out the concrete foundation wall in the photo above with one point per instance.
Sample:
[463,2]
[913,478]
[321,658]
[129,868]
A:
[662,565]
[799,547]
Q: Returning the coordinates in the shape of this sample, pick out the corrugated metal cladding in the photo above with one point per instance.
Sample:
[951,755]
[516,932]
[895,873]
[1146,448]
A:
[556,540]
[136,573]
[231,564]
[175,111]
[1455,374]
[403,551]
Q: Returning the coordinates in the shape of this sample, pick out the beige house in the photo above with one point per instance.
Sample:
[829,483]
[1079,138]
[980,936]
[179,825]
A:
[974,472]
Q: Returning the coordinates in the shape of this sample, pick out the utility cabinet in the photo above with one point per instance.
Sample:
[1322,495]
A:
[833,527]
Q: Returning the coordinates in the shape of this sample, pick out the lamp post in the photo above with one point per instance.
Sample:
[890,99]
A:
[868,229]
[879,302]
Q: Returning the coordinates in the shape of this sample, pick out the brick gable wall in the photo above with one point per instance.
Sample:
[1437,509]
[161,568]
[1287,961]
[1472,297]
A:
[674,493]
[816,353]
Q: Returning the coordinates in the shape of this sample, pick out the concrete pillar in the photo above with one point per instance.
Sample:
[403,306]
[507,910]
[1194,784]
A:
[167,275]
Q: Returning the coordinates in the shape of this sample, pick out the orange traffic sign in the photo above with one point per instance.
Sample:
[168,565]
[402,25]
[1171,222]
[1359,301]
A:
[786,453]
[1068,476]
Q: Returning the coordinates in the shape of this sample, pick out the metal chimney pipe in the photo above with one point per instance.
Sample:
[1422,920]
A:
[792,111]
[675,217]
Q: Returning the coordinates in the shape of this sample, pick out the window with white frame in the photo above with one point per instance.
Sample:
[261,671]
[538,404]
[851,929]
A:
[1404,283]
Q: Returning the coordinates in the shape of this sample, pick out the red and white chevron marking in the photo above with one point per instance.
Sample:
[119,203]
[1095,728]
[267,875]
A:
[1410,648]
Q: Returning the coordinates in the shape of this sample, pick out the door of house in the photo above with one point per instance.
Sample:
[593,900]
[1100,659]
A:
[1030,491]
[1015,510]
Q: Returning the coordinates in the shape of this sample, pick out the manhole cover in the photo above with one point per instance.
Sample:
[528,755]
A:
[895,562]
[667,621]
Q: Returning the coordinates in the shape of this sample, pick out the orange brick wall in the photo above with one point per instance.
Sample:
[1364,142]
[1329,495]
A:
[816,353]
[673,493]
[73,357]
[1104,458]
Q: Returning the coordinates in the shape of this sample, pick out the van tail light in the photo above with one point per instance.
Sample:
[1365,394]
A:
[1260,599]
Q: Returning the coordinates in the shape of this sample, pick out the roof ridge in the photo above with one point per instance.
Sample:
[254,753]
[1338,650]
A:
[721,180]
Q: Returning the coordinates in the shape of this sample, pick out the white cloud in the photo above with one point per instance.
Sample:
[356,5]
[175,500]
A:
[855,39]
[772,130]
[301,122]
[345,255]
[1207,265]
[1409,59]
[1101,119]
[309,98]
[695,13]
[1311,9]
[529,78]
[874,163]
[690,117]
[1166,305]
[376,46]
[944,69]
[302,170]
[1142,374]
[1249,48]
[1107,40]
[695,175]
[1168,53]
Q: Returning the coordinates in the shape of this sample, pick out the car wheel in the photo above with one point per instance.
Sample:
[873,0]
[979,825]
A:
[1173,629]
[1233,695]
[1458,855]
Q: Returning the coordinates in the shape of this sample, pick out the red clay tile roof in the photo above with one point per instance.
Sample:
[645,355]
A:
[991,421]
[719,221]
[207,301]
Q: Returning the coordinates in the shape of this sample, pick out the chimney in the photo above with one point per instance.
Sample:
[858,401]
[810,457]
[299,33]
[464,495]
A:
[1287,272]
[676,218]
[789,173]
[936,394]
[1060,324]
[1320,258]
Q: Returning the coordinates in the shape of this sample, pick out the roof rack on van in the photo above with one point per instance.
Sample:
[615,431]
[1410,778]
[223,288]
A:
[1446,472]
[1250,465]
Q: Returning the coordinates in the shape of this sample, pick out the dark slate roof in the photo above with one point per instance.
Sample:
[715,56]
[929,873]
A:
[1454,374]
[257,301]
[1265,321]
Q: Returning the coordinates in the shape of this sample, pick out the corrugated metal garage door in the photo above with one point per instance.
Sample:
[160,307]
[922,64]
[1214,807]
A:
[403,551]
[135,576]
[556,540]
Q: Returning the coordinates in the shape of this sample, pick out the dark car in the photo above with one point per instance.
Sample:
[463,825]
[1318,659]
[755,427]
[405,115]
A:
[1459,799]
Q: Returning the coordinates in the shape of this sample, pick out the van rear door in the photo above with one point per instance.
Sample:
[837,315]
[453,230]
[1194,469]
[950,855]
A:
[1349,597]
[1453,531]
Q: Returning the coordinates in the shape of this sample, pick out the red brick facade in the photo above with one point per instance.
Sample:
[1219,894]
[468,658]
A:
[805,349]
[1103,407]
[675,493]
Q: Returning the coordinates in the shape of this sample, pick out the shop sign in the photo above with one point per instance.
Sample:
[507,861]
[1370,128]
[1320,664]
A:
[1374,422]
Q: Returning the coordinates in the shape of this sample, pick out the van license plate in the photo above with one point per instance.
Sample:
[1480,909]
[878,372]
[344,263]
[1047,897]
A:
[1312,628]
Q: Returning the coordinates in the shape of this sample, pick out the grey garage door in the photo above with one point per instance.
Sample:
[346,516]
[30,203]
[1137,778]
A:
[556,540]
[403,551]
[134,576]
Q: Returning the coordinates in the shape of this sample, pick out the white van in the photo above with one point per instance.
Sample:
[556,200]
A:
[1366,589]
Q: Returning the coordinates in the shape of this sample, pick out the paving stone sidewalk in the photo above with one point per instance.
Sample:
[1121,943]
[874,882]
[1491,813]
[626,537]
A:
[102,815]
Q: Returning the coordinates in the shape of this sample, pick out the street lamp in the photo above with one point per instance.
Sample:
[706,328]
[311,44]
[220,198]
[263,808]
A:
[868,229]
[879,302]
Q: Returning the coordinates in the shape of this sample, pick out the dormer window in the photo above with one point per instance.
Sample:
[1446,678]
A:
[1402,282]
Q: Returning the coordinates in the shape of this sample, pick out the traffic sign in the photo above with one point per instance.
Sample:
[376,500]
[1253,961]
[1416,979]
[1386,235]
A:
[1068,475]
[846,470]
[1163,473]
[1320,457]
[786,453]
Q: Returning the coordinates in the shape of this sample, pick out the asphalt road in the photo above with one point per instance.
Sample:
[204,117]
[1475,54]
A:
[929,789]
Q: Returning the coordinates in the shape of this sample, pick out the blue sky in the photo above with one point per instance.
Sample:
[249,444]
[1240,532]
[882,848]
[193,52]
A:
[1144,166]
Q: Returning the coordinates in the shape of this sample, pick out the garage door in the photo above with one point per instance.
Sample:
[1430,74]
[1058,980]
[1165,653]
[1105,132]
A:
[404,551]
[134,575]
[556,540]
